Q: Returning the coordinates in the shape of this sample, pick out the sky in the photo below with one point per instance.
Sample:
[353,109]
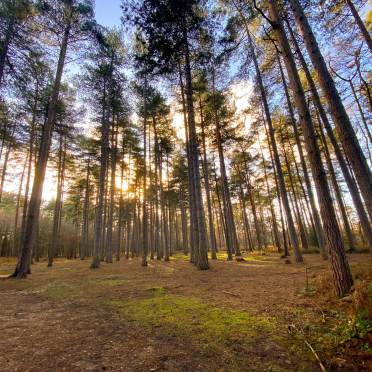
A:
[108,12]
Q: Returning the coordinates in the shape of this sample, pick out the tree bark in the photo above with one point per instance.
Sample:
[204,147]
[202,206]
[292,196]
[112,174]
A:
[105,148]
[212,233]
[202,249]
[270,200]
[110,222]
[343,124]
[283,191]
[354,192]
[361,25]
[337,191]
[23,264]
[5,48]
[314,210]
[3,172]
[341,270]
[58,204]
[144,202]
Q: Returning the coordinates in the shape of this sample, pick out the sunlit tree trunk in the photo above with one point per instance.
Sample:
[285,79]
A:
[285,243]
[362,115]
[247,228]
[272,210]
[111,207]
[295,202]
[23,264]
[18,204]
[212,234]
[105,148]
[201,256]
[231,236]
[354,192]
[85,227]
[157,247]
[185,244]
[340,117]
[54,242]
[144,186]
[314,210]
[5,168]
[283,191]
[190,169]
[337,191]
[340,266]
[164,222]
[361,25]
[253,206]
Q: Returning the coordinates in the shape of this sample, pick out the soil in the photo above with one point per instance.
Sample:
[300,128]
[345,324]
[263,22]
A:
[63,318]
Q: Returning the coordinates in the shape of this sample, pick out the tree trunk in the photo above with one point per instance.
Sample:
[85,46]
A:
[232,243]
[144,202]
[105,148]
[164,222]
[201,257]
[184,222]
[5,47]
[212,233]
[337,191]
[85,232]
[283,191]
[110,223]
[52,251]
[253,207]
[341,271]
[157,247]
[364,120]
[190,169]
[343,124]
[18,203]
[3,172]
[354,192]
[23,264]
[247,229]
[314,210]
[295,202]
[361,25]
[272,210]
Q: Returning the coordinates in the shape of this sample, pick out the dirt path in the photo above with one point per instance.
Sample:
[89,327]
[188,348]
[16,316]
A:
[167,317]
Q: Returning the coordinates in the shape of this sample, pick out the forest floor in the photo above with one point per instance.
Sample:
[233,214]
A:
[257,315]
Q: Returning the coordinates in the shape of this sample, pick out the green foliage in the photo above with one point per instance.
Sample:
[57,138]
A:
[352,330]
[357,327]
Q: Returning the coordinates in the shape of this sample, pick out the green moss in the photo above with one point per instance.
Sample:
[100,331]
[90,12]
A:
[222,255]
[180,256]
[156,291]
[187,316]
[55,289]
[110,281]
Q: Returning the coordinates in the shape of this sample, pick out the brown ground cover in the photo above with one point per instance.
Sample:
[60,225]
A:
[256,315]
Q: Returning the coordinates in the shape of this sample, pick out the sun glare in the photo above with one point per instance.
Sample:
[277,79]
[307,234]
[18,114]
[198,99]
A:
[123,185]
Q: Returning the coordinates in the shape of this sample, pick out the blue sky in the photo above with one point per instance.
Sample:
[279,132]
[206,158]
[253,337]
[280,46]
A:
[108,12]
